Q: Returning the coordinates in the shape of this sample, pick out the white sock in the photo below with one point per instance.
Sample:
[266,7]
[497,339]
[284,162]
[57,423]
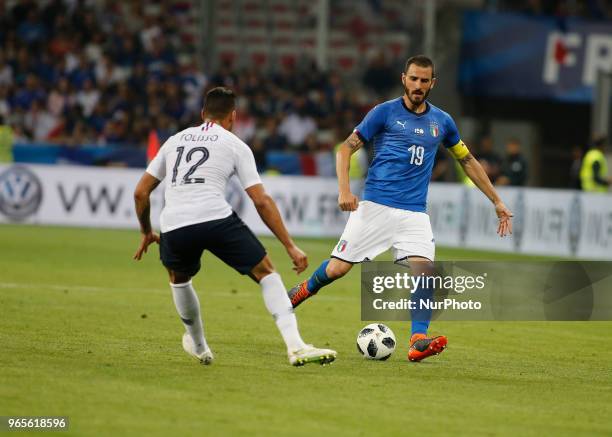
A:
[278,304]
[188,308]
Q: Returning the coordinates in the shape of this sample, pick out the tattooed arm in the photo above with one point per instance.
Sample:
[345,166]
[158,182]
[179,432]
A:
[476,173]
[347,201]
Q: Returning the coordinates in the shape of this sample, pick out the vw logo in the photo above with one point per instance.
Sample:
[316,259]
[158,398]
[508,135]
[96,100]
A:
[20,193]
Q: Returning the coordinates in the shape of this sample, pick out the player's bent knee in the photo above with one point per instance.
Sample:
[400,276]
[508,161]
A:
[178,277]
[263,269]
[421,266]
[337,268]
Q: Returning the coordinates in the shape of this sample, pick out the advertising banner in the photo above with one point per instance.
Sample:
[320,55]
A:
[517,55]
[72,196]
[559,223]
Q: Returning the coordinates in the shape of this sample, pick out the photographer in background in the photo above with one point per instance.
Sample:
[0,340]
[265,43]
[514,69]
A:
[514,165]
[594,171]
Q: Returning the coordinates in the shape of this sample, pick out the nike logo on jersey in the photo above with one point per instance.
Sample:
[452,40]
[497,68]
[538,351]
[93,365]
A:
[401,124]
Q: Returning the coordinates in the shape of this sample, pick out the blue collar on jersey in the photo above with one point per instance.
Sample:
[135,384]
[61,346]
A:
[427,106]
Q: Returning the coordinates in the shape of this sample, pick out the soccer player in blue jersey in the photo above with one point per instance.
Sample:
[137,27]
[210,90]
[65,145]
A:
[405,133]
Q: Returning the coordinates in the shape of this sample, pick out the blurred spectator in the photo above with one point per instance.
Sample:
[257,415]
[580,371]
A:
[31,30]
[379,76]
[489,158]
[107,73]
[594,170]
[273,139]
[440,168]
[225,76]
[81,135]
[244,125]
[6,71]
[60,98]
[88,97]
[574,172]
[150,32]
[298,124]
[514,167]
[259,152]
[193,82]
[39,121]
[311,144]
[30,93]
[5,107]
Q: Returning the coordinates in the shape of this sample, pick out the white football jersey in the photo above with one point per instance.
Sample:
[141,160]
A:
[197,163]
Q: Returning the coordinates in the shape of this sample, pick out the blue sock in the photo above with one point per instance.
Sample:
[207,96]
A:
[319,278]
[421,317]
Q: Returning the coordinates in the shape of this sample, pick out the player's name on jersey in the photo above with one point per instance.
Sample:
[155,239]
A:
[198,138]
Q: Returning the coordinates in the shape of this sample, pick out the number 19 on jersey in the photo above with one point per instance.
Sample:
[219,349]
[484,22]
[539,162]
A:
[417,154]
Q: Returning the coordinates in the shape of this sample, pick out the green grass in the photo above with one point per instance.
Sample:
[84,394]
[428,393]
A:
[88,333]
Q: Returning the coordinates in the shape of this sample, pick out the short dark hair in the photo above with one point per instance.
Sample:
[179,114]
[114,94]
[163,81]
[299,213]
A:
[219,102]
[421,61]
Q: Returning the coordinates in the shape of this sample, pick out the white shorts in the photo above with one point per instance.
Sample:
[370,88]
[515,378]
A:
[374,228]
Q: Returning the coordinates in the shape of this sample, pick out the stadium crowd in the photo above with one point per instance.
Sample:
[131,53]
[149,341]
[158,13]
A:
[104,73]
[108,73]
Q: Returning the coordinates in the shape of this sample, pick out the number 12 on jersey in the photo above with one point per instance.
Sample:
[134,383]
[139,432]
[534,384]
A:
[418,152]
[187,179]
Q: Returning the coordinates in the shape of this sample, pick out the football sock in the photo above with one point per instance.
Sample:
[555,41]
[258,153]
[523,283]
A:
[419,316]
[319,278]
[278,304]
[188,308]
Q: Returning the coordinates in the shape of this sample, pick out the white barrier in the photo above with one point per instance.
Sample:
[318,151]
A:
[548,222]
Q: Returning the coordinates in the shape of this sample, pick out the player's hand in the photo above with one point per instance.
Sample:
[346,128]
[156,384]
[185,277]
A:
[147,240]
[300,260]
[347,201]
[505,219]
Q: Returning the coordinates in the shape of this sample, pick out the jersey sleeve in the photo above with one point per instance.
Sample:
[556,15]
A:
[246,170]
[451,136]
[157,167]
[452,140]
[372,123]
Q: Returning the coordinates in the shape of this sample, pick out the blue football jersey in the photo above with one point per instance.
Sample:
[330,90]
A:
[405,145]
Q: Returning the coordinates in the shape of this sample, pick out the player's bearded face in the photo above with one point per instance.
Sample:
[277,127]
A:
[416,96]
[417,82]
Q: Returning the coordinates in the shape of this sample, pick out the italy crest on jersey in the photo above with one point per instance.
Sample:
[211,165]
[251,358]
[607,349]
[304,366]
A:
[434,130]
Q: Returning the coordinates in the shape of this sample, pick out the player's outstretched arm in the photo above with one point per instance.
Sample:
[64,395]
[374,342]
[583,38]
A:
[477,174]
[267,210]
[347,201]
[142,195]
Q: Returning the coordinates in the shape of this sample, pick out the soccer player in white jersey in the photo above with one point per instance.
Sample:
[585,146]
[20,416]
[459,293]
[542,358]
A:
[196,164]
[405,133]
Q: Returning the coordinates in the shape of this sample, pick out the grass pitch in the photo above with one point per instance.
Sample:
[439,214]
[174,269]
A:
[88,333]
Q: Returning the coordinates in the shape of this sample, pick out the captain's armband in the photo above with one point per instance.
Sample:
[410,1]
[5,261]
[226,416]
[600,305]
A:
[459,150]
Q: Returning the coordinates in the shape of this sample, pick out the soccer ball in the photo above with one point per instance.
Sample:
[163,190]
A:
[376,342]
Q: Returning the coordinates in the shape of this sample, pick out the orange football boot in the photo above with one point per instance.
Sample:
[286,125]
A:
[299,293]
[422,346]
